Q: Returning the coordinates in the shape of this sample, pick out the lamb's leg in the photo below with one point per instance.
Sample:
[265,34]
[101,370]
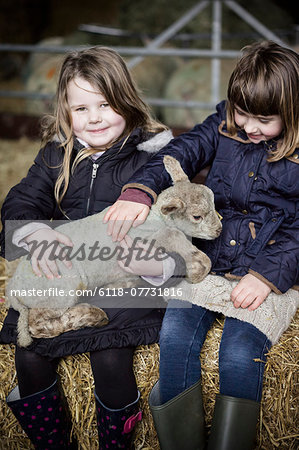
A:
[24,337]
[198,264]
[47,323]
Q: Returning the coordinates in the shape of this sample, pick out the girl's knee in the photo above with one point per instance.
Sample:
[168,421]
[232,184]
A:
[243,350]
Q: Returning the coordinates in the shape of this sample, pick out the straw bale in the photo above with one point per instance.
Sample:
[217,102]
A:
[278,425]
[16,156]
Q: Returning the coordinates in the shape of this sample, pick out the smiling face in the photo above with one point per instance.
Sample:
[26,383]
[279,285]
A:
[258,128]
[94,121]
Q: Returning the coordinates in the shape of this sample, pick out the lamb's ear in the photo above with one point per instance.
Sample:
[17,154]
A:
[174,169]
[174,205]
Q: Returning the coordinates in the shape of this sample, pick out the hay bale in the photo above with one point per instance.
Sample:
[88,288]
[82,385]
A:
[43,80]
[16,156]
[192,82]
[278,419]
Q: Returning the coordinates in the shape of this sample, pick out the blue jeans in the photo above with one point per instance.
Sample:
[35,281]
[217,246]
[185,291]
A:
[242,353]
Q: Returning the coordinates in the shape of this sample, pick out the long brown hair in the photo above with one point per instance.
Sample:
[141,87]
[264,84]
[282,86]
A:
[265,82]
[105,70]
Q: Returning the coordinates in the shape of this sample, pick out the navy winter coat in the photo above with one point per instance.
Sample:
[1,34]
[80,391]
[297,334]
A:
[94,186]
[258,200]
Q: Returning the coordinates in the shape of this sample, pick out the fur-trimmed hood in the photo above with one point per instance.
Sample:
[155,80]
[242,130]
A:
[154,144]
[151,145]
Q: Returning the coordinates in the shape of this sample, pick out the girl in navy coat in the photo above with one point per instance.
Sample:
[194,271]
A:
[101,134]
[251,146]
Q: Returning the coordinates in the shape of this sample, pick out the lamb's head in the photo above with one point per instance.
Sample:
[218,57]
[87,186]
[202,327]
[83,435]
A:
[188,206]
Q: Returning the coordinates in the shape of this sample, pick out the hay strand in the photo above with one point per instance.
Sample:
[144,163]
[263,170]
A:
[278,424]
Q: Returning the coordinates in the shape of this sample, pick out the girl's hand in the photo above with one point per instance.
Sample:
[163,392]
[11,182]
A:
[42,256]
[141,259]
[122,216]
[250,292]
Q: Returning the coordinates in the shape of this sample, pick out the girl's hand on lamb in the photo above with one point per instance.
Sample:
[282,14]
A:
[250,292]
[44,246]
[123,215]
[141,259]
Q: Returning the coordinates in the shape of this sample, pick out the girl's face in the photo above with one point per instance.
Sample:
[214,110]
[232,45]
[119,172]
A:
[258,128]
[94,121]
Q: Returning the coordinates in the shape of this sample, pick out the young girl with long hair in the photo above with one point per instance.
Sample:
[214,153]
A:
[101,133]
[251,146]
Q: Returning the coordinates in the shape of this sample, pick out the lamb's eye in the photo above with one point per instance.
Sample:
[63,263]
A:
[197,217]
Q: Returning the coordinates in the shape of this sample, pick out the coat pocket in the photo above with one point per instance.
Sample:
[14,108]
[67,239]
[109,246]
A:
[264,235]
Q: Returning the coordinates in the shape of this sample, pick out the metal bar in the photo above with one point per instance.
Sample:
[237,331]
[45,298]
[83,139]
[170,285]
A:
[95,29]
[39,48]
[127,51]
[26,94]
[172,30]
[105,30]
[216,46]
[180,103]
[152,101]
[256,24]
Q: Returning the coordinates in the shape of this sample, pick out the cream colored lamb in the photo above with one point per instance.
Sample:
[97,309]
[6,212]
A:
[51,307]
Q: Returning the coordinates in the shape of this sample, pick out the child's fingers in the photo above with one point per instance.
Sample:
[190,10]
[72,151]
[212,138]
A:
[63,239]
[140,219]
[110,227]
[122,216]
[43,267]
[50,269]
[118,229]
[238,297]
[35,267]
[108,214]
[124,229]
[257,302]
[244,301]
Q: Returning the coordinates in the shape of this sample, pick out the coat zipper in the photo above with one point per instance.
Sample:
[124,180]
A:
[93,176]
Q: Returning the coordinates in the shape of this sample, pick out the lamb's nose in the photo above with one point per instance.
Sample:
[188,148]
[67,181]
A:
[218,230]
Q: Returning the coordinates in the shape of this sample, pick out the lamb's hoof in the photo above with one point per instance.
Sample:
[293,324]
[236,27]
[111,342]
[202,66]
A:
[198,267]
[46,323]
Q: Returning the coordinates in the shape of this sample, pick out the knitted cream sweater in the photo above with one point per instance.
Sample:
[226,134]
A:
[272,317]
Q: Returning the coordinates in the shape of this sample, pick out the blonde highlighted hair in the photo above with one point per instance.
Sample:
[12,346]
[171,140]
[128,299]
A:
[106,71]
[265,82]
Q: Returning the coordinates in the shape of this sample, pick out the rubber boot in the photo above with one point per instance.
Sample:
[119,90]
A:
[234,424]
[115,426]
[43,418]
[180,421]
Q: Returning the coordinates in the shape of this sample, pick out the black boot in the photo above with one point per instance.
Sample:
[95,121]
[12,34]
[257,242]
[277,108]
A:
[43,418]
[180,421]
[115,426]
[234,424]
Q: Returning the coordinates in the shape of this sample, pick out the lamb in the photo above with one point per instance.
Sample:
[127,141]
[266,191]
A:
[184,209]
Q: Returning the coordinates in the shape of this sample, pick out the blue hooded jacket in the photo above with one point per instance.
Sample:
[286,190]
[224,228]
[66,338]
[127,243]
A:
[258,200]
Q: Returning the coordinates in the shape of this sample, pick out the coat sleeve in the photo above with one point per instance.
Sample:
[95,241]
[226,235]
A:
[278,263]
[194,150]
[30,200]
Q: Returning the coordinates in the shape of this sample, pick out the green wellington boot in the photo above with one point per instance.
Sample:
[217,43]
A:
[180,421]
[234,424]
